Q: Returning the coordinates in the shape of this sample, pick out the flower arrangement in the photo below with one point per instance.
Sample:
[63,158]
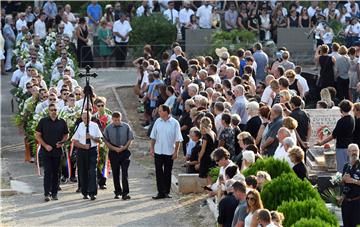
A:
[322,132]
[333,195]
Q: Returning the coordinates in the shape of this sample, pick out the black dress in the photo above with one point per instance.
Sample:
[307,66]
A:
[300,170]
[305,22]
[84,54]
[253,126]
[194,157]
[326,78]
[185,119]
[294,86]
[206,163]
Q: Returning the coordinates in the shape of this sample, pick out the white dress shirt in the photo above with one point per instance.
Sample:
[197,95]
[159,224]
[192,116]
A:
[303,82]
[204,15]
[69,29]
[23,80]
[20,23]
[266,96]
[166,134]
[40,28]
[74,84]
[122,28]
[17,75]
[281,154]
[171,15]
[184,16]
[80,134]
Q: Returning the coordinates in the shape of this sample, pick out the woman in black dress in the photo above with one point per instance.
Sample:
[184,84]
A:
[326,63]
[296,155]
[304,19]
[84,54]
[254,122]
[208,146]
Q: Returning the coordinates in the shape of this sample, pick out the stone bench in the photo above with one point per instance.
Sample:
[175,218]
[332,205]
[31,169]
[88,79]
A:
[190,183]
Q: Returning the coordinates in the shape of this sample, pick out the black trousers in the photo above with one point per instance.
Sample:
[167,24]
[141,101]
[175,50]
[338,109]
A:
[87,162]
[120,54]
[343,88]
[51,174]
[119,163]
[163,168]
[350,213]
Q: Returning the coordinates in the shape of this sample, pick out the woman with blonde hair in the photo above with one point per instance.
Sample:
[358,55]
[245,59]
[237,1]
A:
[342,73]
[254,203]
[235,61]
[296,155]
[326,97]
[208,145]
[262,177]
[291,124]
[285,96]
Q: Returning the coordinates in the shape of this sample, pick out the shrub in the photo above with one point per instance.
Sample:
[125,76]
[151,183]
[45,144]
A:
[272,166]
[314,209]
[154,30]
[287,187]
[214,173]
[303,222]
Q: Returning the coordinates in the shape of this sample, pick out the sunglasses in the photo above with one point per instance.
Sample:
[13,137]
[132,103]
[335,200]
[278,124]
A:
[53,110]
[52,99]
[28,87]
[100,105]
[77,94]
[65,93]
[22,66]
[250,198]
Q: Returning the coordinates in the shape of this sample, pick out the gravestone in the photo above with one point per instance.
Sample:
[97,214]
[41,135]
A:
[190,183]
[198,42]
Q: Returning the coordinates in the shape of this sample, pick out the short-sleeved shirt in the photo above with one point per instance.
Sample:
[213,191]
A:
[343,132]
[52,132]
[125,133]
[94,11]
[240,213]
[227,207]
[166,134]
[227,134]
[352,190]
[80,134]
[122,28]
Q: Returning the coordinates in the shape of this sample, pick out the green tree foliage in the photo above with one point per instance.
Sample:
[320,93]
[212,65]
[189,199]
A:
[154,30]
[287,187]
[272,166]
[311,212]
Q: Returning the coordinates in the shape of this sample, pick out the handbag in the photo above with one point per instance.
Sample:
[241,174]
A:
[89,42]
[111,41]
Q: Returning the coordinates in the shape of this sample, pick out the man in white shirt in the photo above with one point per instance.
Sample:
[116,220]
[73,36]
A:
[171,14]
[26,78]
[280,152]
[39,26]
[21,22]
[68,27]
[164,147]
[42,106]
[268,92]
[184,17]
[68,81]
[144,9]
[302,80]
[87,143]
[312,9]
[348,6]
[121,30]
[35,64]
[204,15]
[18,74]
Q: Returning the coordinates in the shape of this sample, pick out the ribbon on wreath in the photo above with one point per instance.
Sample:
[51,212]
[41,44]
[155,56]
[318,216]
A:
[106,168]
[38,147]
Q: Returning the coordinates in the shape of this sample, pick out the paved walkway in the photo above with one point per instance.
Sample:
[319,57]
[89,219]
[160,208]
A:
[71,209]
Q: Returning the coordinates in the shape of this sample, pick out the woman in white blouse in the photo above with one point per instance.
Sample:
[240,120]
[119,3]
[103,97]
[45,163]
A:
[254,204]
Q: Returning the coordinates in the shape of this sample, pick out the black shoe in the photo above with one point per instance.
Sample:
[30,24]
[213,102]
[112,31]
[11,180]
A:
[86,197]
[102,187]
[117,197]
[159,196]
[126,197]
[145,124]
[73,179]
[59,189]
[54,197]
[168,196]
[47,198]
[78,190]
[93,197]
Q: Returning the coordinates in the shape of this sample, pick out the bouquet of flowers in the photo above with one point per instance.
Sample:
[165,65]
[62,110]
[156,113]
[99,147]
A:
[333,195]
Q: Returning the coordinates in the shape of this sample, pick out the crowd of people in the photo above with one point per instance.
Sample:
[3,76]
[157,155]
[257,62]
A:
[234,110]
[230,111]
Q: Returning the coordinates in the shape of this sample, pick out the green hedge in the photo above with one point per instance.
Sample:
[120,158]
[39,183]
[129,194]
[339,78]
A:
[287,187]
[154,30]
[304,222]
[296,212]
[272,166]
